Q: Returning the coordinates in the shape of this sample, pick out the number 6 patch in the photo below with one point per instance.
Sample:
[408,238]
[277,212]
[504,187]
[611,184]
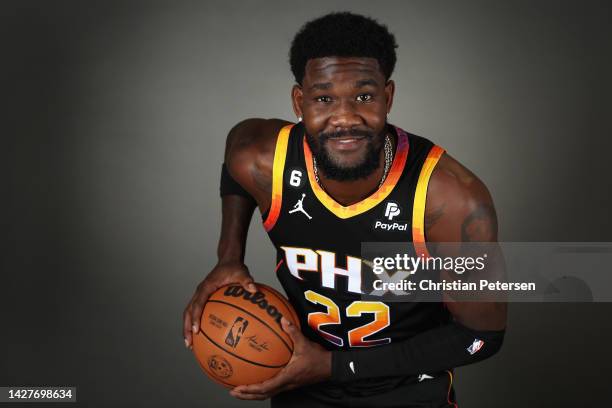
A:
[296,177]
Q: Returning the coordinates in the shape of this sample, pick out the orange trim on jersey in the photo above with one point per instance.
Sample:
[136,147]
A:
[420,197]
[379,195]
[280,154]
[450,386]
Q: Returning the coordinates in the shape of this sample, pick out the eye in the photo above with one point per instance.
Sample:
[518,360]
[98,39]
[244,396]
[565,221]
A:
[324,99]
[364,98]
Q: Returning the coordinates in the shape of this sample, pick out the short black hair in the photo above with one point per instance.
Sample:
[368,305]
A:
[342,34]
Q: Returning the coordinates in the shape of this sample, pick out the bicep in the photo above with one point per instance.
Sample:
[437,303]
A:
[459,207]
[249,156]
[461,210]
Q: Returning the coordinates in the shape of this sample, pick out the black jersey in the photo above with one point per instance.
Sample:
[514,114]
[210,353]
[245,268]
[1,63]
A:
[318,243]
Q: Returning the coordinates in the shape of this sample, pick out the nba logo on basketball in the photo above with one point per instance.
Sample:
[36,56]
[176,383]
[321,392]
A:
[236,331]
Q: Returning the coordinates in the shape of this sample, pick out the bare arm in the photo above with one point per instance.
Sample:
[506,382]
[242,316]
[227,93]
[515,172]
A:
[459,208]
[249,154]
[236,216]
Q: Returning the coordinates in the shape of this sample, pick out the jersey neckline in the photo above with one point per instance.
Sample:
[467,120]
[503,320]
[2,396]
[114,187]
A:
[343,212]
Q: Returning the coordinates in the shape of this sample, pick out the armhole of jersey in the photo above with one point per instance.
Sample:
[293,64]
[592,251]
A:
[278,167]
[420,198]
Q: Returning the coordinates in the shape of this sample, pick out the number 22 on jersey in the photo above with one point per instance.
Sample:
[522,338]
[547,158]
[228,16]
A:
[357,336]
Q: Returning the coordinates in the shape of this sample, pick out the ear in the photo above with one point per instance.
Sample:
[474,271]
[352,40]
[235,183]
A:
[297,98]
[389,92]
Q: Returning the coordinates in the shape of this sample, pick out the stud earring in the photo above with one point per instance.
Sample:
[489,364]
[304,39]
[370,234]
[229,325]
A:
[299,118]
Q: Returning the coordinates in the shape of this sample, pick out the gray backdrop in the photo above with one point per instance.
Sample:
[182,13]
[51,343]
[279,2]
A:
[114,120]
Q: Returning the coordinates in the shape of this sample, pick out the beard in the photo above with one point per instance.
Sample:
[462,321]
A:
[335,170]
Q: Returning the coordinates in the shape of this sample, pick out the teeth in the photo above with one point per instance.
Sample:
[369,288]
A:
[346,140]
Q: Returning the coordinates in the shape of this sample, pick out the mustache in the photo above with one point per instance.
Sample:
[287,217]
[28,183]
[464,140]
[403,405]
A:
[324,136]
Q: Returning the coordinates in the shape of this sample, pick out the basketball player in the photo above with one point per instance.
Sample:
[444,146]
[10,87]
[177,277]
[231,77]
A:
[321,185]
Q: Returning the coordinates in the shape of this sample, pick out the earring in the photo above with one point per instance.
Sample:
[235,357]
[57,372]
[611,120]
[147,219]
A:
[299,118]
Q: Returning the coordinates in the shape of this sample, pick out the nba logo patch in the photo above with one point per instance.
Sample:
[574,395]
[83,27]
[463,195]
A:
[236,331]
[475,347]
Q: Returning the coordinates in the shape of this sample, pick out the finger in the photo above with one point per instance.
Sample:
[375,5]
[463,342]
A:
[197,306]
[187,322]
[251,397]
[187,326]
[271,386]
[196,316]
[248,284]
[292,331]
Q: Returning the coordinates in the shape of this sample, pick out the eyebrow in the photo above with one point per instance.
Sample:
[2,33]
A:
[321,85]
[365,82]
[327,85]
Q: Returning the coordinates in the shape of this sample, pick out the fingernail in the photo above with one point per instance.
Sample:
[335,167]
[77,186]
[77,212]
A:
[252,287]
[186,343]
[287,322]
[194,328]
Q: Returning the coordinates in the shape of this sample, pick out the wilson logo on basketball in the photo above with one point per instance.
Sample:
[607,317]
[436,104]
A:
[258,299]
[235,333]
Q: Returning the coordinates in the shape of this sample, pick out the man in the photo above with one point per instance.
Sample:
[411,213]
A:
[321,185]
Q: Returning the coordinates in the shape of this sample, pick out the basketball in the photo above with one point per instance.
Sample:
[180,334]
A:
[241,339]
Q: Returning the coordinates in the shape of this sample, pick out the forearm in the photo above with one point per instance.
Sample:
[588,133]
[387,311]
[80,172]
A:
[237,211]
[442,348]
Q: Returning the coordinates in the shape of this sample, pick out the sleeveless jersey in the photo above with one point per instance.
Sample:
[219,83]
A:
[318,243]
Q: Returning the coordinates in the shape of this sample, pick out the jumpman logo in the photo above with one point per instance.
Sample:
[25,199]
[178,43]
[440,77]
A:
[299,207]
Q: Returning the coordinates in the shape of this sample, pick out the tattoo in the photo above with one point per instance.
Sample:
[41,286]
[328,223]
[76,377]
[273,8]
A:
[434,216]
[262,181]
[480,225]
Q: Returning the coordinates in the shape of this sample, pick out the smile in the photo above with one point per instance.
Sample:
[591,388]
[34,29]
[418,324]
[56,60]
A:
[349,140]
[346,143]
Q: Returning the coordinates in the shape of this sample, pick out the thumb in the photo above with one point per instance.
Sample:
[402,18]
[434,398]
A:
[248,284]
[292,331]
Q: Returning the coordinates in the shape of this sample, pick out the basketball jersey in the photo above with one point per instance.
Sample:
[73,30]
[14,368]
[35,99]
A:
[318,243]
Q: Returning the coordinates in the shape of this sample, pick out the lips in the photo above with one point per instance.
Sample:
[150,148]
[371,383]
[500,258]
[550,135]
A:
[346,142]
[348,139]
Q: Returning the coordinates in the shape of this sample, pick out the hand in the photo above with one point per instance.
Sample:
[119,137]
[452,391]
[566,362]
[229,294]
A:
[310,364]
[221,275]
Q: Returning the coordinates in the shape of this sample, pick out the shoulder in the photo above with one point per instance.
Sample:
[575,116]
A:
[252,137]
[459,206]
[249,152]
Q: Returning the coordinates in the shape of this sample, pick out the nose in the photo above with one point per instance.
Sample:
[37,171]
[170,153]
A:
[345,116]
